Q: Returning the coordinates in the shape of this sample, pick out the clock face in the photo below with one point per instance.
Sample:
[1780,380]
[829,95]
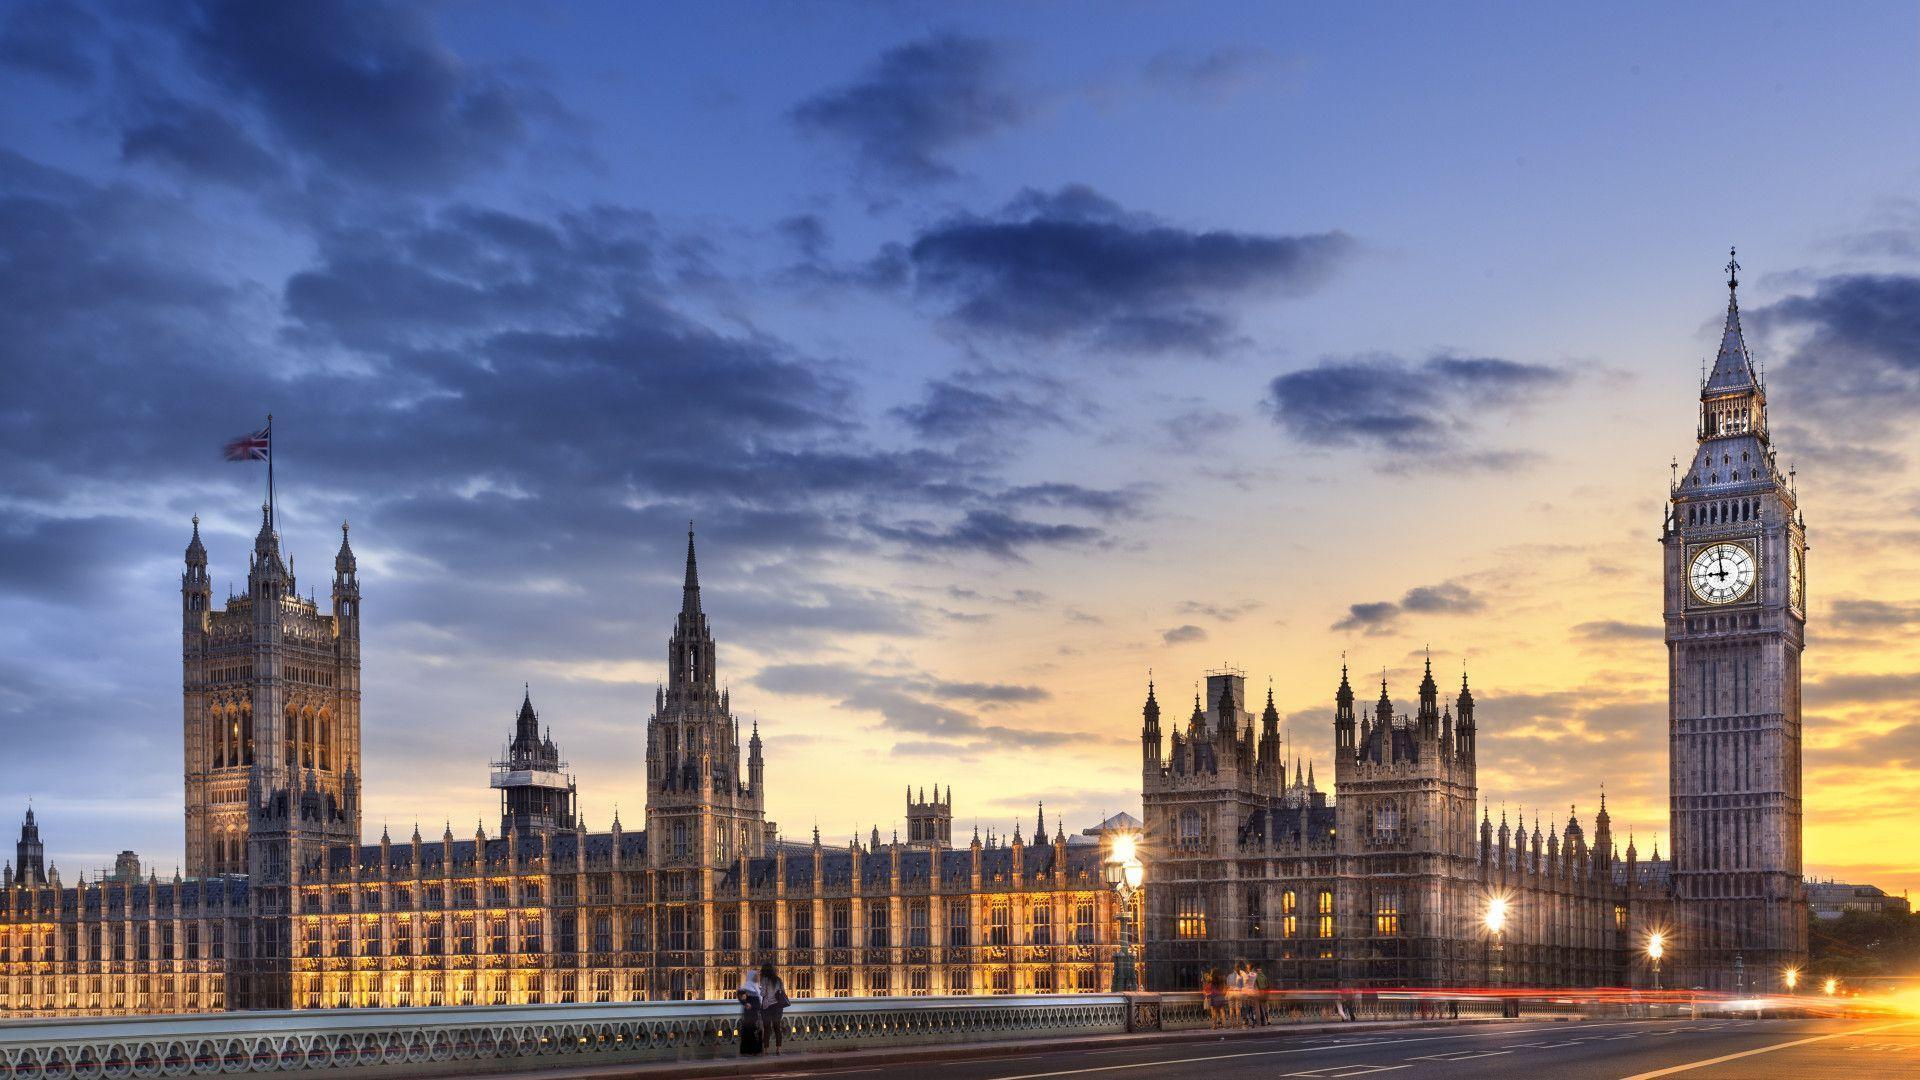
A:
[1721,574]
[1797,578]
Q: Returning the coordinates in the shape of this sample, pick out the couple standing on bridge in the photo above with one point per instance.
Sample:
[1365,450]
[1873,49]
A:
[763,1003]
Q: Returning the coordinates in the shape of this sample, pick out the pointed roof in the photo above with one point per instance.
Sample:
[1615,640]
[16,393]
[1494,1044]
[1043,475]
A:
[1732,365]
[690,592]
[1121,822]
[343,560]
[196,551]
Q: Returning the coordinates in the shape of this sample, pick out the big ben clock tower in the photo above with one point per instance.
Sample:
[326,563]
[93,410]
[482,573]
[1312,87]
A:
[1735,559]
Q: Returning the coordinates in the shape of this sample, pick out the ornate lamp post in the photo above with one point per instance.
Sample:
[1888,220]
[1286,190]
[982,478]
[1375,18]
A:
[1125,873]
[1656,948]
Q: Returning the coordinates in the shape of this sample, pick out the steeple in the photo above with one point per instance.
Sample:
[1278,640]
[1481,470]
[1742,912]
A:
[1733,410]
[268,572]
[1429,704]
[29,854]
[1150,728]
[1343,719]
[196,551]
[690,666]
[690,592]
[196,588]
[1463,730]
[1732,365]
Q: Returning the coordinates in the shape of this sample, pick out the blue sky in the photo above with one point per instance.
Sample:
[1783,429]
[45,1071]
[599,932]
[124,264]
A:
[1003,353]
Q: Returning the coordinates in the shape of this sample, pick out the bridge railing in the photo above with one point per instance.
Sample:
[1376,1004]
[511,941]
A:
[469,1039]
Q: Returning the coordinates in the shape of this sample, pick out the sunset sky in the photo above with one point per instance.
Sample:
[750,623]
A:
[1001,353]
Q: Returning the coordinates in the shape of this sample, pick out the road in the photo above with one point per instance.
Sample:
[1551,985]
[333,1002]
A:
[1825,1049]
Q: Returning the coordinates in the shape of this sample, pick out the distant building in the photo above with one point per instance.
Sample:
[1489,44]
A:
[1832,899]
[1388,882]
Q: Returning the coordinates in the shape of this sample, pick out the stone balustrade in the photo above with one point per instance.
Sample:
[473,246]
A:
[412,1042]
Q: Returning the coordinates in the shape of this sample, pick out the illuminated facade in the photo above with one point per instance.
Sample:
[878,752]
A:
[1388,882]
[301,915]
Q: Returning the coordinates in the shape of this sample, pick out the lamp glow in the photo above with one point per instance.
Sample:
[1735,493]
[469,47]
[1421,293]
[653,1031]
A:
[1832,987]
[1657,945]
[1496,919]
[1793,978]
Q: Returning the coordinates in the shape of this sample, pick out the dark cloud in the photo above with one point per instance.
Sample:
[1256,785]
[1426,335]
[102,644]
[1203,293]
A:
[1183,634]
[1211,76]
[1415,414]
[367,90]
[1369,617]
[506,405]
[988,531]
[1615,630]
[1858,613]
[917,103]
[1072,267]
[1225,612]
[1896,748]
[1105,502]
[953,411]
[1448,597]
[53,38]
[1853,352]
[924,707]
[1865,689]
[1379,617]
[200,142]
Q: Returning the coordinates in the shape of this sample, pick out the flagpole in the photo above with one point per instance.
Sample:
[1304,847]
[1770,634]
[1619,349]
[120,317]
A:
[272,524]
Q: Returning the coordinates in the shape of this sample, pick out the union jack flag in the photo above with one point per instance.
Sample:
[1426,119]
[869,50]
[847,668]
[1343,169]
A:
[253,447]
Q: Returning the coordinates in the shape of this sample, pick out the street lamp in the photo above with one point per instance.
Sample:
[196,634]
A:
[1656,948]
[1832,987]
[1496,924]
[1124,872]
[1792,978]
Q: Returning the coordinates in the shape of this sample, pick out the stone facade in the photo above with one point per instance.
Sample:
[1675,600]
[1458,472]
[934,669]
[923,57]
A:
[1387,883]
[305,916]
[1735,569]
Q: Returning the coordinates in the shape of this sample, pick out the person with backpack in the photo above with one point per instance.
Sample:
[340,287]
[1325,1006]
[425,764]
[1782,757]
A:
[773,1008]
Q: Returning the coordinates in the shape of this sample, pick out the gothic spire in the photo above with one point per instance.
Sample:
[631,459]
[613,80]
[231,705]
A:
[526,726]
[196,551]
[1732,365]
[690,592]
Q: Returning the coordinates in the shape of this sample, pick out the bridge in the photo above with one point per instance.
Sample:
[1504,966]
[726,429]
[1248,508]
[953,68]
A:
[1063,1029]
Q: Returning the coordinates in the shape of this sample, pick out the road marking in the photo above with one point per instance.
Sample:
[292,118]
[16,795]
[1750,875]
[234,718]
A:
[1691,1065]
[1495,1032]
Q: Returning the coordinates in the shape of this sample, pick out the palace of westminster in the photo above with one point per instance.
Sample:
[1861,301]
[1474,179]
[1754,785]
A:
[1383,882]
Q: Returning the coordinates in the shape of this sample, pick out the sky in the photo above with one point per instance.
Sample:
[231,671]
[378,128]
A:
[1003,354]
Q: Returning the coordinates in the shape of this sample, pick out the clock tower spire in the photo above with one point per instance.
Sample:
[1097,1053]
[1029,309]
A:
[1734,552]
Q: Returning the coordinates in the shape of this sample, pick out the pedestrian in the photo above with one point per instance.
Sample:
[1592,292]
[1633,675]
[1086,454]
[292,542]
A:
[1247,999]
[1260,994]
[749,997]
[773,1008]
[1214,987]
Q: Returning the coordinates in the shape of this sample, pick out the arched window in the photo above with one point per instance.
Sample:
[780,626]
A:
[1190,827]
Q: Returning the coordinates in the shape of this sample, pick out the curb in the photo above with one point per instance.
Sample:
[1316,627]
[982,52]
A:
[811,1061]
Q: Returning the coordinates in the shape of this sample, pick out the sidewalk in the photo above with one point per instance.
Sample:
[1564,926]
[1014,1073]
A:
[943,1052]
